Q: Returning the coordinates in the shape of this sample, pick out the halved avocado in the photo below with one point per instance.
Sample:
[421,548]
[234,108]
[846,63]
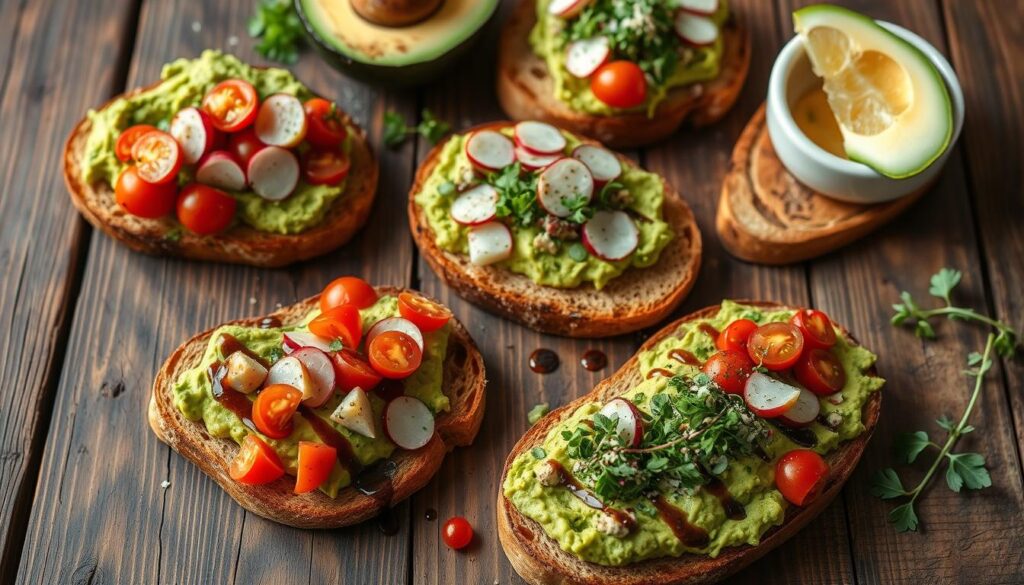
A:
[393,55]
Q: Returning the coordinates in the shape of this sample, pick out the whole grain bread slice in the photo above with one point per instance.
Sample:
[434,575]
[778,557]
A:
[540,560]
[240,244]
[526,90]
[636,299]
[463,383]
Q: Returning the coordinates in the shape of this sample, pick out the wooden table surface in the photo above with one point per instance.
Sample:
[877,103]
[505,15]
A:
[85,323]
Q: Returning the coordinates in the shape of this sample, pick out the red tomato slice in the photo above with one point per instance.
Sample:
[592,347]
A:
[128,138]
[256,463]
[354,371]
[729,369]
[316,461]
[620,84]
[324,125]
[325,166]
[244,144]
[157,157]
[457,533]
[205,210]
[734,336]
[231,104]
[274,408]
[347,290]
[816,327]
[776,346]
[342,323]
[394,354]
[820,372]
[143,199]
[800,475]
[423,312]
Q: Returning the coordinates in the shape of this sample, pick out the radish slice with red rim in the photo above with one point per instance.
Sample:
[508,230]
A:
[768,397]
[603,163]
[281,121]
[475,206]
[321,370]
[490,150]
[194,132]
[220,169]
[489,243]
[566,8]
[804,412]
[698,31]
[408,422]
[629,425]
[565,180]
[539,137]
[395,324]
[294,340]
[584,57]
[702,7]
[610,235]
[534,162]
[291,371]
[273,173]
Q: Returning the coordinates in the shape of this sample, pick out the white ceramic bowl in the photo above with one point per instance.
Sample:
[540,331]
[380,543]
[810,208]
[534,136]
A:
[821,170]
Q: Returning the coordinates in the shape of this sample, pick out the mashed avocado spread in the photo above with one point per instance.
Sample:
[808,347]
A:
[749,479]
[193,393]
[185,82]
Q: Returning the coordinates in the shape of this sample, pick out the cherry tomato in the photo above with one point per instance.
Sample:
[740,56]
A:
[776,346]
[157,157]
[274,408]
[816,327]
[256,463]
[316,461]
[820,372]
[620,84]
[143,199]
[347,290]
[734,336]
[205,210]
[232,105]
[244,144]
[425,313]
[353,371]
[799,475]
[457,532]
[342,323]
[325,128]
[729,369]
[394,354]
[325,166]
[128,138]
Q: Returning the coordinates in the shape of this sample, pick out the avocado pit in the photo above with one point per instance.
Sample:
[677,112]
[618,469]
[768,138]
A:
[395,13]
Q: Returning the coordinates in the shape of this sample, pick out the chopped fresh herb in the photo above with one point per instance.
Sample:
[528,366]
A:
[279,30]
[538,453]
[275,354]
[396,130]
[445,189]
[517,194]
[580,209]
[173,235]
[336,345]
[537,412]
[577,252]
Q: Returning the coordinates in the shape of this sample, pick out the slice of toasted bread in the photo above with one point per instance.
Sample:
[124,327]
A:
[539,560]
[240,244]
[526,90]
[634,300]
[463,383]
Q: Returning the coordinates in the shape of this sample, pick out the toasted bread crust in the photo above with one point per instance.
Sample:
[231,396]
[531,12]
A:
[639,298]
[526,90]
[539,560]
[240,244]
[463,382]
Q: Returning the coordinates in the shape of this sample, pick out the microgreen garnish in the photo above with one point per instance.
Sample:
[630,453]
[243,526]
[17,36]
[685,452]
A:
[396,130]
[517,194]
[336,345]
[279,30]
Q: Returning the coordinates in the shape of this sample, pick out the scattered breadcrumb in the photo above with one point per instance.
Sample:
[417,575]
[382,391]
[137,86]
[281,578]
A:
[165,484]
[232,40]
[252,300]
[196,26]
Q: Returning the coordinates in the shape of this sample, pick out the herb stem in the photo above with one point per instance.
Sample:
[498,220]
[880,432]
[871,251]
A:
[967,314]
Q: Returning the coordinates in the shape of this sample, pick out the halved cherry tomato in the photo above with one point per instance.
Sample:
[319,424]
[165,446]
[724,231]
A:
[256,463]
[128,138]
[620,84]
[324,126]
[816,327]
[325,166]
[353,371]
[776,346]
[157,157]
[347,290]
[820,372]
[274,408]
[342,323]
[457,532]
[729,369]
[143,199]
[425,313]
[232,105]
[799,475]
[734,336]
[316,461]
[205,210]
[244,144]
[394,354]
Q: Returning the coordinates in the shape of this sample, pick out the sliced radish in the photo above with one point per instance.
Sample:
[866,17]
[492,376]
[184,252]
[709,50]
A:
[539,138]
[244,373]
[291,371]
[630,424]
[220,169]
[395,324]
[566,179]
[355,413]
[603,163]
[532,161]
[273,173]
[566,8]
[768,397]
[194,131]
[294,340]
[476,206]
[321,370]
[583,57]
[610,235]
[804,412]
[281,121]
[408,422]
[702,7]
[698,31]
[489,150]
[489,243]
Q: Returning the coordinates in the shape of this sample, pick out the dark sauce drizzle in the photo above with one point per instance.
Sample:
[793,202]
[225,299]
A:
[709,330]
[804,437]
[575,488]
[544,361]
[388,522]
[733,509]
[659,373]
[389,389]
[228,345]
[228,397]
[685,357]
[594,360]
[330,436]
[430,514]
[270,323]
[690,535]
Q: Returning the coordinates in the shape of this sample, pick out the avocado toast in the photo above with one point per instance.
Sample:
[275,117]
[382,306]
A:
[552,534]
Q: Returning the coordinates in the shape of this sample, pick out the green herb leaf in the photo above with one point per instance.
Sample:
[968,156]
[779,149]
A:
[538,453]
[173,235]
[445,189]
[537,412]
[278,29]
[395,129]
[943,282]
[578,252]
[909,445]
[431,128]
[275,354]
[886,484]
[945,422]
[904,518]
[336,345]
[967,469]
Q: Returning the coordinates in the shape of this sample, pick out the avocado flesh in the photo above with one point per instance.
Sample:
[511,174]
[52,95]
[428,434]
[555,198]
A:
[913,124]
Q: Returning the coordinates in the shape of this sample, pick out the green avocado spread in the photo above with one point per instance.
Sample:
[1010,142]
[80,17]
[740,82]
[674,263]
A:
[749,479]
[193,393]
[184,83]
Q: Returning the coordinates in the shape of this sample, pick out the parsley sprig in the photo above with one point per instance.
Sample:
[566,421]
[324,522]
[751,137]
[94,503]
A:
[279,30]
[517,194]
[430,127]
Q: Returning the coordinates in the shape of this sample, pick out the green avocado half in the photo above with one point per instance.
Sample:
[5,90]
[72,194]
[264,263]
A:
[393,55]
